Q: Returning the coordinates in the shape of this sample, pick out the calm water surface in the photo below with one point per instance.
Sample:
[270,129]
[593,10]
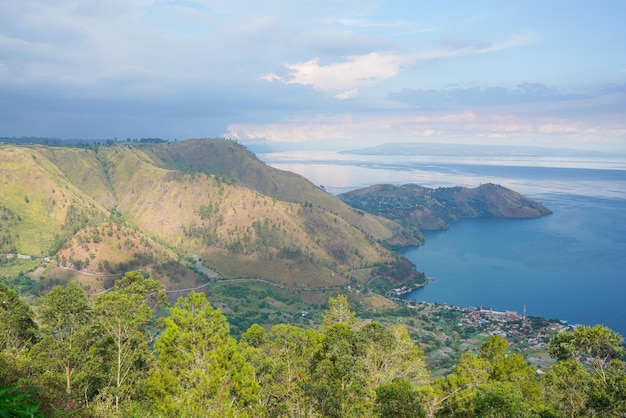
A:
[570,265]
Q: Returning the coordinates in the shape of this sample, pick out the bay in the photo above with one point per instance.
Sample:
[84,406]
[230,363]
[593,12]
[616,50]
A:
[570,265]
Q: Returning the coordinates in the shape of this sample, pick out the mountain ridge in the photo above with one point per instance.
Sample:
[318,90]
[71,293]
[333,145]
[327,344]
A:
[101,209]
[421,208]
[162,207]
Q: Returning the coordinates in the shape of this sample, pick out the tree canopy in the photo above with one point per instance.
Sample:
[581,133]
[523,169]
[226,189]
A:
[118,355]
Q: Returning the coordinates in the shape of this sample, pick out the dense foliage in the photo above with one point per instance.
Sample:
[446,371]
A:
[122,354]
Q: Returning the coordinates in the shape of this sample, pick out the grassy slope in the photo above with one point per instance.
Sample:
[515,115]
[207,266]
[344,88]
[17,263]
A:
[247,233]
[132,206]
[41,193]
[38,192]
[232,161]
[83,168]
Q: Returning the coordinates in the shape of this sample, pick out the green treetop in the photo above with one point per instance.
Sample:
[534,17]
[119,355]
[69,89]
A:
[199,371]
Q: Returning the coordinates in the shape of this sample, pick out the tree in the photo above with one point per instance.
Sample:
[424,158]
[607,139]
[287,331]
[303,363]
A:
[567,386]
[608,397]
[338,382]
[351,364]
[125,316]
[65,313]
[282,359]
[16,403]
[390,354]
[494,349]
[398,399]
[199,371]
[433,397]
[18,331]
[460,387]
[17,326]
[510,368]
[501,400]
[571,385]
[339,312]
[597,343]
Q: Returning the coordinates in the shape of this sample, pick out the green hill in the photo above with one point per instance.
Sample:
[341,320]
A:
[421,208]
[102,210]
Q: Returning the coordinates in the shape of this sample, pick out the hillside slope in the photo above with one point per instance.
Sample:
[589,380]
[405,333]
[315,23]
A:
[103,210]
[419,207]
[232,162]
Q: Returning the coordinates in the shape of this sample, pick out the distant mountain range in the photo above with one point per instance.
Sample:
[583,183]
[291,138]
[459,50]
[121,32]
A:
[466,150]
[99,210]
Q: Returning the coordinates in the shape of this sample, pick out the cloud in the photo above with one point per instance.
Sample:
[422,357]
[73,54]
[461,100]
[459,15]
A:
[352,73]
[296,129]
[485,127]
[350,94]
[304,70]
[270,77]
[563,127]
[368,69]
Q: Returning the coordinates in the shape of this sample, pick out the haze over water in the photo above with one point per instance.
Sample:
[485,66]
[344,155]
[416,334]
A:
[570,265]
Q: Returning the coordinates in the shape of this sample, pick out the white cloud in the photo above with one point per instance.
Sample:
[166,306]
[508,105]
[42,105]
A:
[451,117]
[372,68]
[352,73]
[464,127]
[270,77]
[349,94]
[562,127]
[296,129]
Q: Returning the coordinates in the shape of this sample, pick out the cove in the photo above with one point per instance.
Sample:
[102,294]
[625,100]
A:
[570,265]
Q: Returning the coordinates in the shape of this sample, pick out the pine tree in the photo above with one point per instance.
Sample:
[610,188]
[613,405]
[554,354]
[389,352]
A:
[199,371]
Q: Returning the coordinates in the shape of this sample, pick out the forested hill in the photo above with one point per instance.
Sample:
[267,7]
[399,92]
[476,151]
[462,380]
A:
[102,210]
[417,207]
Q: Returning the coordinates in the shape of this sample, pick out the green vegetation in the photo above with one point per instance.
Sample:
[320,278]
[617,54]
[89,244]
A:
[95,212]
[101,210]
[15,403]
[199,370]
[421,208]
[267,344]
[120,354]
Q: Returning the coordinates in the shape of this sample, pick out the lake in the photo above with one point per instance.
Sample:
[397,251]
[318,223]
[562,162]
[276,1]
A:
[570,265]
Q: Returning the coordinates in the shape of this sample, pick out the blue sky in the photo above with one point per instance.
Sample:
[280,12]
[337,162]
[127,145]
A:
[339,74]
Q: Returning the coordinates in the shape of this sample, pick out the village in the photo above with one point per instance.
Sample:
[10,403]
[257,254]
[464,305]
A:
[526,334]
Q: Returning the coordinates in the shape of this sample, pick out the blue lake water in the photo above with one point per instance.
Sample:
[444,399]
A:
[570,265]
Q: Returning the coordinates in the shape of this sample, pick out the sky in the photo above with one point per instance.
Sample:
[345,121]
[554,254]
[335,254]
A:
[325,73]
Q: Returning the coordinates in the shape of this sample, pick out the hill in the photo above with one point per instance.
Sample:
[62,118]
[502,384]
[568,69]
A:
[99,211]
[421,208]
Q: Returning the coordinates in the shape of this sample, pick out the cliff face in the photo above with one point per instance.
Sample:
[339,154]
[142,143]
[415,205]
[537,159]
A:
[419,207]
